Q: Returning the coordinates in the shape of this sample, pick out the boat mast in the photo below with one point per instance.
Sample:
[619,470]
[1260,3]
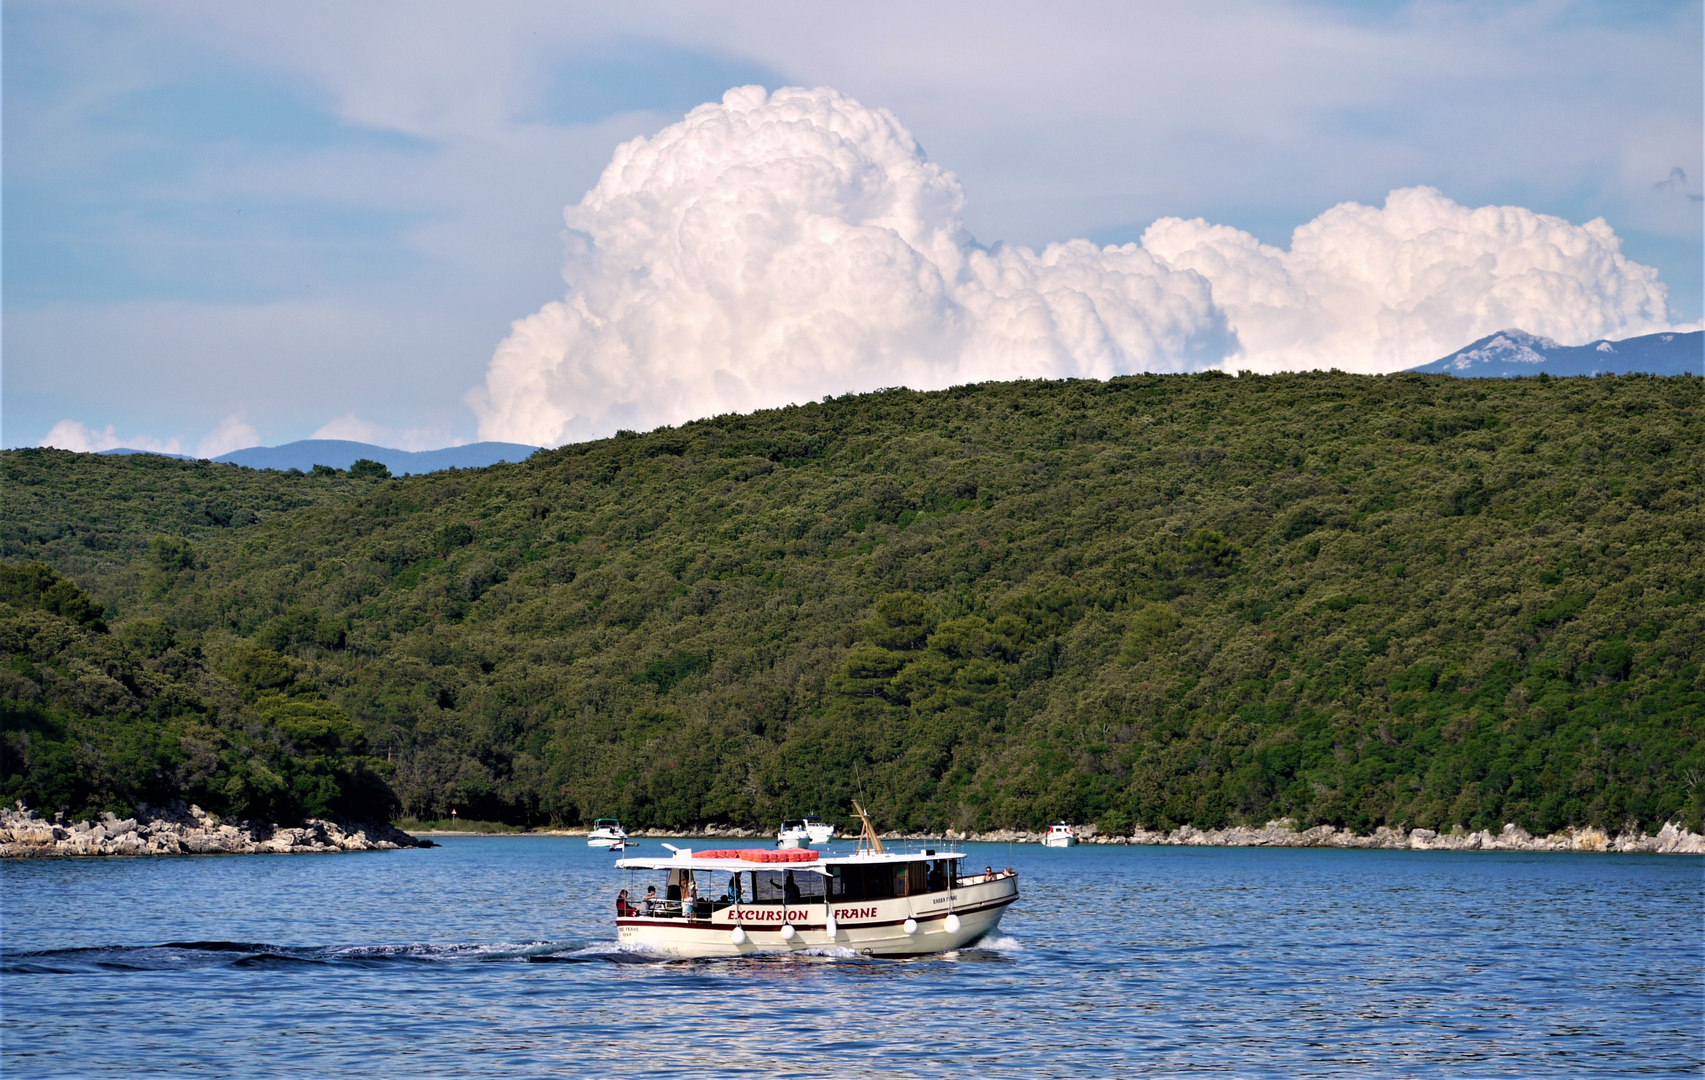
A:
[868,838]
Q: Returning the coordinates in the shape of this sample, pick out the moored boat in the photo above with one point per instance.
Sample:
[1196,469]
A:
[1060,835]
[607,832]
[763,900]
[804,831]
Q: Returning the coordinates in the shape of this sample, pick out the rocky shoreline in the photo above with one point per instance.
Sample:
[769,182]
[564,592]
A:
[180,830]
[1670,840]
[192,831]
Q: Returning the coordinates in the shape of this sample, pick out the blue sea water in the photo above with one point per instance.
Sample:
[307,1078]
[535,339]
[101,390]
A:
[496,957]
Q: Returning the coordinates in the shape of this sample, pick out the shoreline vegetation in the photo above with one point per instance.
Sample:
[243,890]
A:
[1152,603]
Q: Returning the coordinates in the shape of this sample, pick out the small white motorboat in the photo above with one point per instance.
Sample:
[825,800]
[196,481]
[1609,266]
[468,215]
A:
[804,831]
[760,900]
[1060,835]
[607,832]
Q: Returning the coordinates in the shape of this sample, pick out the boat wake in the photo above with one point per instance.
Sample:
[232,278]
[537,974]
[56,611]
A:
[200,955]
[189,955]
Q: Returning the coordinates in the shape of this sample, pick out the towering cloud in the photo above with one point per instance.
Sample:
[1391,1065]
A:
[1374,290]
[775,247]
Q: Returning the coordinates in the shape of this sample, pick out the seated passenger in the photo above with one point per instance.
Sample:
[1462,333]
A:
[622,905]
[648,906]
[733,894]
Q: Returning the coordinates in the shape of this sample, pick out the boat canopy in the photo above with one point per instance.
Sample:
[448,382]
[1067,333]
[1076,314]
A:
[684,859]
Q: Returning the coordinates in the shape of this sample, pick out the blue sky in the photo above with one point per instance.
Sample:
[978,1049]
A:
[268,221]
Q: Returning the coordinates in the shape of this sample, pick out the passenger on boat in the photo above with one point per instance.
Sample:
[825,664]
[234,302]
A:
[648,906]
[789,889]
[988,873]
[733,894]
[622,905]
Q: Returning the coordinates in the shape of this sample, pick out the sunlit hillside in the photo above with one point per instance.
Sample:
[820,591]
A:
[1158,600]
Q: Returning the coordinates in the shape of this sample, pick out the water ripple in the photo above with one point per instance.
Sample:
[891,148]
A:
[493,957]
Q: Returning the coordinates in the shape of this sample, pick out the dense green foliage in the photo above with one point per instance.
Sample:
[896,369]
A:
[93,721]
[1403,600]
[132,515]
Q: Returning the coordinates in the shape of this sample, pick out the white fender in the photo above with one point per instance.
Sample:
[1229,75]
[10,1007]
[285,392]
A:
[911,926]
[952,923]
[787,931]
[738,936]
[831,928]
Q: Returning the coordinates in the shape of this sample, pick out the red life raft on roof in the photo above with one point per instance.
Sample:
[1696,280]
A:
[760,855]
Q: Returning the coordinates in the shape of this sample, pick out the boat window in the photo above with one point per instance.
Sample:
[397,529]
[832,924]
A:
[770,886]
[866,882]
[917,874]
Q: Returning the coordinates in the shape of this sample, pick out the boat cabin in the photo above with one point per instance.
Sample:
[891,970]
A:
[699,885]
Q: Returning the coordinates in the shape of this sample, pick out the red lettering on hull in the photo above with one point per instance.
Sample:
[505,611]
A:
[772,915]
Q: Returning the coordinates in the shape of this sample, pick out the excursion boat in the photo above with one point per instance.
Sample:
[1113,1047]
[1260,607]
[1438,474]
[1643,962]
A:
[764,900]
[1060,835]
[607,832]
[805,831]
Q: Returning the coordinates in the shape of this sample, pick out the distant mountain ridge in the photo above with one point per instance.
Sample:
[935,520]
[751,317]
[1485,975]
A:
[1515,353]
[341,454]
[1511,353]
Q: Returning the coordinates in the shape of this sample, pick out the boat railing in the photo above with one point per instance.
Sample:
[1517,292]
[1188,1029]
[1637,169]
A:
[984,879]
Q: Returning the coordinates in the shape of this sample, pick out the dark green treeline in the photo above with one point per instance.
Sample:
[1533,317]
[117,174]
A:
[1157,600]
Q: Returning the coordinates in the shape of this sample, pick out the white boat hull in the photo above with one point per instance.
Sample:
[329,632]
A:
[812,836]
[605,841]
[872,927]
[1060,841]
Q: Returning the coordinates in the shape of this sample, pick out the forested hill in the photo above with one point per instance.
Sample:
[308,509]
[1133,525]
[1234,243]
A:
[1160,599]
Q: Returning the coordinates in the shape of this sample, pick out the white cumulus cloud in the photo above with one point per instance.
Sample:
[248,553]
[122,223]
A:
[775,247]
[1381,289]
[233,433]
[75,435]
